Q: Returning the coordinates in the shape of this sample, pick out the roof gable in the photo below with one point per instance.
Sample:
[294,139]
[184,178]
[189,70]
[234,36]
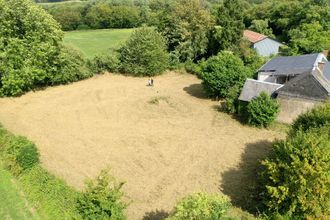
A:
[309,85]
[252,36]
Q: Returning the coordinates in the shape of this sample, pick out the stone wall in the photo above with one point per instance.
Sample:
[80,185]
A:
[292,107]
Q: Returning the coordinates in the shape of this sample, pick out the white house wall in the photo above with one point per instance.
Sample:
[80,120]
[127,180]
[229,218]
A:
[267,47]
[265,77]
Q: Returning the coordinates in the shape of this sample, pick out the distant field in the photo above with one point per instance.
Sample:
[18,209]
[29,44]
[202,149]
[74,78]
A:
[12,204]
[93,42]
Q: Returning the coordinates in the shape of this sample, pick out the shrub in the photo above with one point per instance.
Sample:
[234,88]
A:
[315,118]
[220,73]
[232,99]
[296,178]
[104,63]
[102,199]
[20,154]
[201,206]
[262,110]
[144,54]
[73,67]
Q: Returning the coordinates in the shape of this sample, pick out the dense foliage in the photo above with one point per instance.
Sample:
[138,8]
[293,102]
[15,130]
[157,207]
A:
[222,72]
[20,154]
[102,199]
[144,54]
[315,118]
[262,110]
[296,177]
[303,25]
[185,24]
[31,54]
[201,206]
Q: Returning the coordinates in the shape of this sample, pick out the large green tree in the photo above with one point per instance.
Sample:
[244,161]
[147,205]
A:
[222,72]
[31,54]
[185,24]
[144,53]
[229,18]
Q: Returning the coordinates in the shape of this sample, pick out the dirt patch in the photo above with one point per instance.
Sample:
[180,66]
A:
[162,151]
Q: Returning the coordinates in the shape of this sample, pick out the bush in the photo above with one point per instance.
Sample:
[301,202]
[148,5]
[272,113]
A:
[104,63]
[144,54]
[201,206]
[220,73]
[20,154]
[315,118]
[102,199]
[232,99]
[296,178]
[73,67]
[262,110]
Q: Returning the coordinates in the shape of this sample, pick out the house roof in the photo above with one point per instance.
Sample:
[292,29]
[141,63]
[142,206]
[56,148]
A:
[326,71]
[252,36]
[252,88]
[322,79]
[290,65]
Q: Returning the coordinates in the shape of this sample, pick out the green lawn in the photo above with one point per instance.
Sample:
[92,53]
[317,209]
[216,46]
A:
[13,205]
[93,42]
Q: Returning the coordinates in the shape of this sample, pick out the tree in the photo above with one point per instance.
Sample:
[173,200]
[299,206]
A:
[102,199]
[309,38]
[229,17]
[185,24]
[262,110]
[31,54]
[222,72]
[144,54]
[201,206]
[295,179]
[262,27]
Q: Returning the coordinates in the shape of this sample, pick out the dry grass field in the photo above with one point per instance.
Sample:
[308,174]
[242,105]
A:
[164,141]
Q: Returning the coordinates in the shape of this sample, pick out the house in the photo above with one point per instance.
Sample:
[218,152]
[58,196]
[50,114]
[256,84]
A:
[264,45]
[297,82]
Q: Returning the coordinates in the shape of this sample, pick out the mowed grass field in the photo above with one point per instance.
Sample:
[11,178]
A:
[13,205]
[94,42]
[165,141]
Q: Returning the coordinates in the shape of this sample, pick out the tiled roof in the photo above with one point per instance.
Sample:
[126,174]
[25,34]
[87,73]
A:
[253,37]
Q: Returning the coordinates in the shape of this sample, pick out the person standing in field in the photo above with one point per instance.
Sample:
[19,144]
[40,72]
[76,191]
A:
[152,82]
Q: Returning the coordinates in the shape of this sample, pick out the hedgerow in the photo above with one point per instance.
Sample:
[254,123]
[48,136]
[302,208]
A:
[52,197]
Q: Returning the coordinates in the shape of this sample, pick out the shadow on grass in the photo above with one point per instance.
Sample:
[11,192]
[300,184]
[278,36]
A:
[196,90]
[240,183]
[156,215]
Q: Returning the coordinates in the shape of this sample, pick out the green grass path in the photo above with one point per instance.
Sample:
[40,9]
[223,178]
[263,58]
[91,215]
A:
[13,205]
[93,42]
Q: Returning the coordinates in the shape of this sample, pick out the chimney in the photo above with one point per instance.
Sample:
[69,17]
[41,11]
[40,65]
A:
[321,66]
[325,53]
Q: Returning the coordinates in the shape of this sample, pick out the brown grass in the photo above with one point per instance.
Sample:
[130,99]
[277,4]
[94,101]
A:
[164,141]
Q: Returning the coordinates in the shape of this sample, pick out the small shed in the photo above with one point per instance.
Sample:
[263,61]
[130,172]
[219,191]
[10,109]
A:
[264,45]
